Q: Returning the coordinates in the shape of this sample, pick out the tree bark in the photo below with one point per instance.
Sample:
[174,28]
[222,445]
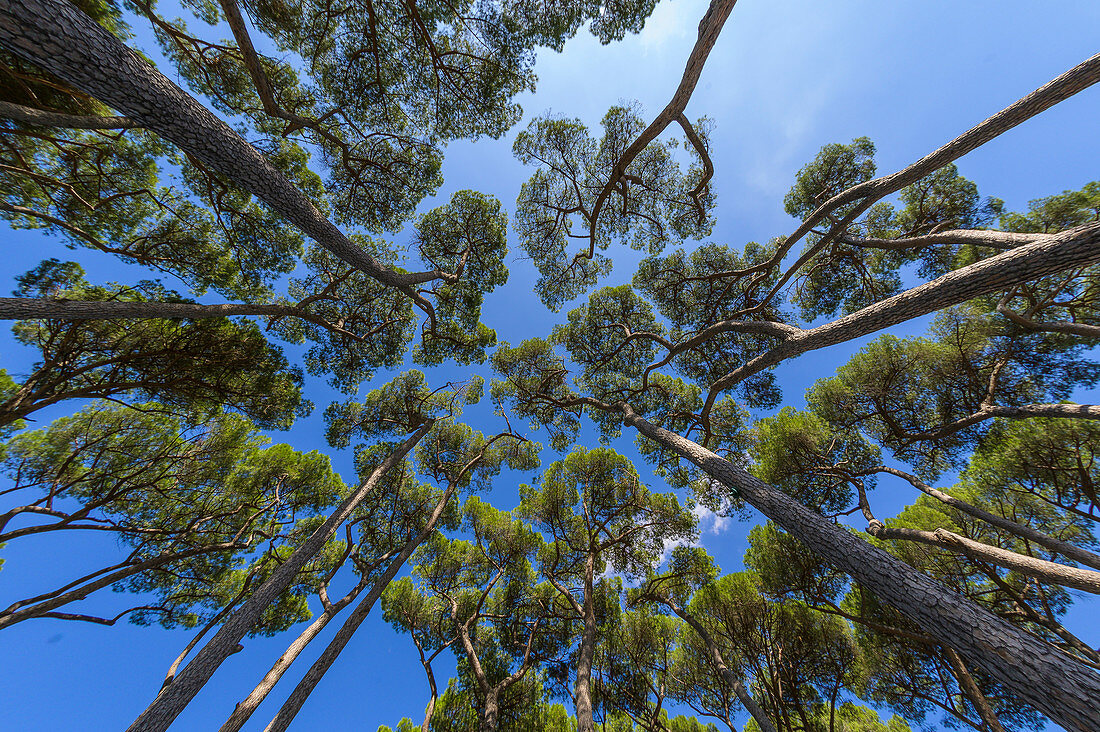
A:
[46,118]
[174,698]
[724,671]
[1071,248]
[1059,574]
[490,720]
[247,706]
[1070,551]
[29,308]
[1063,689]
[59,38]
[971,691]
[582,691]
[321,666]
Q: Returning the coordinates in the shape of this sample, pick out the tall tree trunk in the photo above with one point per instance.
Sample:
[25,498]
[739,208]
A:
[174,698]
[582,691]
[1071,248]
[743,696]
[247,706]
[316,672]
[37,308]
[58,37]
[1063,689]
[490,719]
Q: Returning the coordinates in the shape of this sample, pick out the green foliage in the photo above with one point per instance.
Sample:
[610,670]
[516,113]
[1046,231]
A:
[836,168]
[200,364]
[652,205]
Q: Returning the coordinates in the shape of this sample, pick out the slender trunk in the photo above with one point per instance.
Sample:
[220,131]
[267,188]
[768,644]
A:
[1063,689]
[1071,248]
[1069,551]
[174,698]
[971,691]
[32,308]
[61,39]
[317,671]
[18,612]
[582,692]
[743,696]
[247,706]
[1059,574]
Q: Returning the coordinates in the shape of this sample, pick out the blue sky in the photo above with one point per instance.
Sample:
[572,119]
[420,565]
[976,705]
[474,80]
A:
[785,78]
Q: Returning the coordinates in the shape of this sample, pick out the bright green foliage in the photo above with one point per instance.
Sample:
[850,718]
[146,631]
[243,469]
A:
[634,661]
[468,238]
[901,392]
[835,168]
[113,191]
[799,453]
[200,494]
[397,408]
[1057,213]
[652,204]
[694,291]
[847,717]
[354,323]
[1036,465]
[187,365]
[535,388]
[593,503]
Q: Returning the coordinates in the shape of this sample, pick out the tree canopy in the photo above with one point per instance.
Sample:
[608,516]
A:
[256,385]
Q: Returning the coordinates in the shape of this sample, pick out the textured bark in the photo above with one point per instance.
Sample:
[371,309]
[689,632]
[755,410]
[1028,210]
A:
[1063,689]
[174,698]
[247,706]
[1071,248]
[316,672]
[724,671]
[30,308]
[978,237]
[1070,551]
[56,36]
[971,691]
[1059,574]
[582,691]
[45,118]
[1026,411]
[490,721]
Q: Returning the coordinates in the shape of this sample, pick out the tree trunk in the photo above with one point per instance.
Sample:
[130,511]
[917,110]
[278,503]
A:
[316,672]
[59,38]
[1071,248]
[582,692]
[1059,574]
[743,696]
[1069,551]
[490,719]
[31,308]
[247,706]
[1063,689]
[174,698]
[971,691]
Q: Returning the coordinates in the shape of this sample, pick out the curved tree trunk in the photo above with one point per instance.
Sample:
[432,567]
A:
[174,698]
[1063,689]
[32,308]
[316,672]
[58,37]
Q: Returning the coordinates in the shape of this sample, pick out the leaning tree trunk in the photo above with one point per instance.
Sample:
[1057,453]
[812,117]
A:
[244,709]
[316,672]
[175,697]
[58,37]
[36,308]
[582,691]
[1063,689]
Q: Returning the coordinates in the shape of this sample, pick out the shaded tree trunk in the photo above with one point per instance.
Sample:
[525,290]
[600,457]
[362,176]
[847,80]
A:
[30,308]
[582,691]
[1063,689]
[174,698]
[971,691]
[316,672]
[58,37]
